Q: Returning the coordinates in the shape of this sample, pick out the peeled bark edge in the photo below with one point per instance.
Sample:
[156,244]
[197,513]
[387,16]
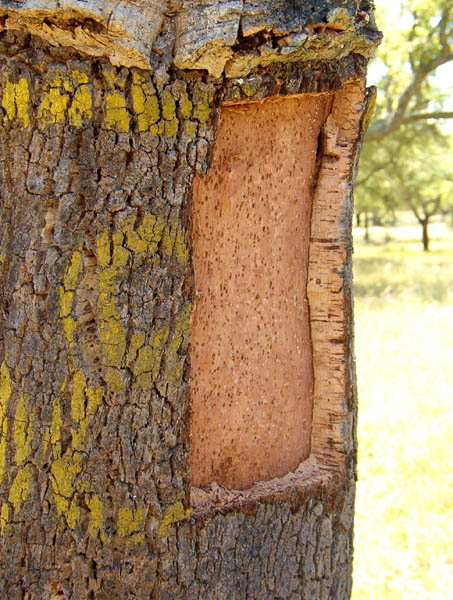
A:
[230,37]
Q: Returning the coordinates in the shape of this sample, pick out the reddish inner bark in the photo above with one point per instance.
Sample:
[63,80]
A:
[251,355]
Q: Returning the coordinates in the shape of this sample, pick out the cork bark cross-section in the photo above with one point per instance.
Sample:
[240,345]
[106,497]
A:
[177,400]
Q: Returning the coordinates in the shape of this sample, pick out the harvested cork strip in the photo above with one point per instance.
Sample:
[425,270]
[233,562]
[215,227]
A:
[251,358]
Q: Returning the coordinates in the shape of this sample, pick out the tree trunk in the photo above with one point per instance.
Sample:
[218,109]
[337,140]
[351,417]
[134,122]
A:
[425,235]
[358,218]
[366,236]
[177,406]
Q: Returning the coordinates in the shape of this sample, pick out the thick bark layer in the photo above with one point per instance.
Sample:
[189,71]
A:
[97,164]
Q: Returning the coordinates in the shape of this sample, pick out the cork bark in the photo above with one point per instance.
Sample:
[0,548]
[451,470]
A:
[104,127]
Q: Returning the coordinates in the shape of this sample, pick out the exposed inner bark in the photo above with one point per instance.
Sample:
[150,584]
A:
[251,357]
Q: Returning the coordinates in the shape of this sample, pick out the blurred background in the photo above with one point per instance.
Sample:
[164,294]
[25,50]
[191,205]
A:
[403,265]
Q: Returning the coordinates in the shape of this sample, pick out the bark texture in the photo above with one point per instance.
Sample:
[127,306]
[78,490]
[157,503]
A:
[97,163]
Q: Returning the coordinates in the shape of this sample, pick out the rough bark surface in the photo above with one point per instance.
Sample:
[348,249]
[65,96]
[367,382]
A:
[96,165]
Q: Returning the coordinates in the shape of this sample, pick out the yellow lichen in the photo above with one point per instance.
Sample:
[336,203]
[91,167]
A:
[191,129]
[168,105]
[73,515]
[137,341]
[174,514]
[112,258]
[66,95]
[147,365]
[65,300]
[64,470]
[23,431]
[45,444]
[54,103]
[114,379]
[73,271]
[103,250]
[80,110]
[174,363]
[202,105]
[151,230]
[78,397]
[116,114]
[114,252]
[174,243]
[6,390]
[171,128]
[55,429]
[185,105]
[144,102]
[96,516]
[130,524]
[66,295]
[20,488]
[4,518]
[15,101]
[69,327]
[84,403]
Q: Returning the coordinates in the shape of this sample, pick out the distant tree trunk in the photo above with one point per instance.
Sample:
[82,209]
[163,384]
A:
[423,213]
[425,236]
[121,129]
[358,218]
[366,235]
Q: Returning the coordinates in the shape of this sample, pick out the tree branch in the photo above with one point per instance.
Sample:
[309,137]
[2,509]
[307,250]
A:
[426,116]
[384,127]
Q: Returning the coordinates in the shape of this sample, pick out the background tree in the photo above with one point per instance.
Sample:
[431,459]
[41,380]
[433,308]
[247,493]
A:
[411,115]
[408,171]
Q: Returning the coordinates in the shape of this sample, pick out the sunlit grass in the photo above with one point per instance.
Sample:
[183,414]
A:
[404,347]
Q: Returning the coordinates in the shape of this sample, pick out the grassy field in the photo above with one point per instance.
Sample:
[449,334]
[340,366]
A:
[404,348]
